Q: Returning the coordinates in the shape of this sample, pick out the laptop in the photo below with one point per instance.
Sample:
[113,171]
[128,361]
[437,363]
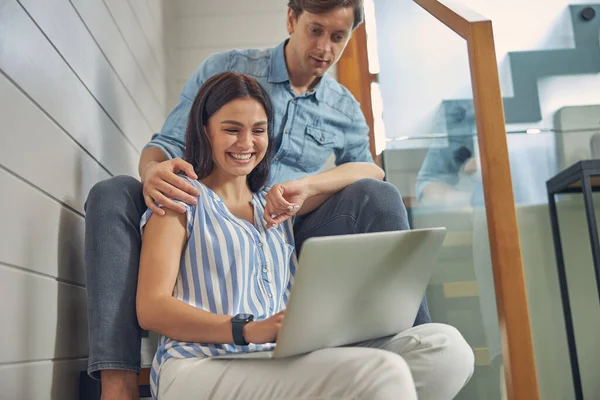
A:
[352,288]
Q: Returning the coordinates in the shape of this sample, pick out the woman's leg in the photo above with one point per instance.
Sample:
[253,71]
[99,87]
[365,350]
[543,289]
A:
[441,361]
[339,373]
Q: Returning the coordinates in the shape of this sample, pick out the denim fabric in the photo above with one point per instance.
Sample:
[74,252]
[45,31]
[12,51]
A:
[308,128]
[112,255]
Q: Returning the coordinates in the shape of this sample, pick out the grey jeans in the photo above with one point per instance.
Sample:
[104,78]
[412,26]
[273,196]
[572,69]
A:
[112,247]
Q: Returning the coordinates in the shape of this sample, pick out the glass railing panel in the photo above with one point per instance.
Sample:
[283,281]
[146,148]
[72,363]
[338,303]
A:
[440,180]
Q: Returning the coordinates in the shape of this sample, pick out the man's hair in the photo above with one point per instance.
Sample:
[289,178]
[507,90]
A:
[214,94]
[323,6]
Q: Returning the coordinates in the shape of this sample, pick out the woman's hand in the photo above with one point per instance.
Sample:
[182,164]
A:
[161,183]
[265,331]
[284,200]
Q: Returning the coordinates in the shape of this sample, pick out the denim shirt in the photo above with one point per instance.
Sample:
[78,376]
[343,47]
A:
[308,128]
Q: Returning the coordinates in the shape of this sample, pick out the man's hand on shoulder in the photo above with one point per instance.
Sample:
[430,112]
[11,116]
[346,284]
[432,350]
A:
[161,183]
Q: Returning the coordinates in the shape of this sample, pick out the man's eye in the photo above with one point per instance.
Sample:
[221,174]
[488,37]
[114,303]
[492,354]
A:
[315,31]
[338,38]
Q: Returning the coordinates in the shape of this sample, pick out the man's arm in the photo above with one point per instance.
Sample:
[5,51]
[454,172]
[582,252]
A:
[322,186]
[150,155]
[161,158]
[307,194]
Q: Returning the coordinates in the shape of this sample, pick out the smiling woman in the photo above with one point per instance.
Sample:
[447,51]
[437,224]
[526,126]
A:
[237,138]
[216,278]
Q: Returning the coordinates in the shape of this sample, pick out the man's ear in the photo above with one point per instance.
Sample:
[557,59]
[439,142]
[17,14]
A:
[292,20]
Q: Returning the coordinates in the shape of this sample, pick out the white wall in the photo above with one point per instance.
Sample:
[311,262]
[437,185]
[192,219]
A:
[82,88]
[418,74]
[199,28]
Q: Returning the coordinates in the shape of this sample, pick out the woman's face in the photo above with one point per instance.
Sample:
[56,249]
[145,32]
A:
[238,136]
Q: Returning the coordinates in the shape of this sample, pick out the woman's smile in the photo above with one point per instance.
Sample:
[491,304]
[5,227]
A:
[242,158]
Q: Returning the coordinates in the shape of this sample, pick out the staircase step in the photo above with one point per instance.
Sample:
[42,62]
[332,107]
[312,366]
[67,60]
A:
[454,290]
[528,67]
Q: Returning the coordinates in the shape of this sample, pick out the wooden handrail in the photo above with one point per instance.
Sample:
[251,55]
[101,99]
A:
[454,16]
[352,69]
[507,264]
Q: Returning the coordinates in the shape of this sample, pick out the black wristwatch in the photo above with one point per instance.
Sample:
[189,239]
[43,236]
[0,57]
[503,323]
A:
[237,328]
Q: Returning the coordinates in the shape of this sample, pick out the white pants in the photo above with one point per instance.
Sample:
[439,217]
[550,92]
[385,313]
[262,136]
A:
[431,361]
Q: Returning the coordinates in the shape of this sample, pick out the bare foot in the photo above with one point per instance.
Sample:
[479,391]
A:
[119,385]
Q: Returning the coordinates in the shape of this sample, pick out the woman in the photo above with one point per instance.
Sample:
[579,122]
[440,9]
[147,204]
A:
[231,254]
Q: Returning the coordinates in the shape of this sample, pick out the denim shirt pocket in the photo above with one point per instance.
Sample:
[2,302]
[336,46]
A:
[318,146]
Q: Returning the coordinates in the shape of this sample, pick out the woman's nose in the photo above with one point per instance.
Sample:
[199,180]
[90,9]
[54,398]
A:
[245,139]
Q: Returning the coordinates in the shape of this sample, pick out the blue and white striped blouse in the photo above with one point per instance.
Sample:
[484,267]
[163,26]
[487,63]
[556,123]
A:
[228,266]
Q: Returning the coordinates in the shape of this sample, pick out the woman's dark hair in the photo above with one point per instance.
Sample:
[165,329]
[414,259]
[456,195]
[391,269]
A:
[214,94]
[323,6]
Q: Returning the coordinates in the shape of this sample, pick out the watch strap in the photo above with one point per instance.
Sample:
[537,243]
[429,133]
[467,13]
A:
[237,327]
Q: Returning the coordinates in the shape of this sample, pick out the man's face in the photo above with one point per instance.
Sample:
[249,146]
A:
[318,40]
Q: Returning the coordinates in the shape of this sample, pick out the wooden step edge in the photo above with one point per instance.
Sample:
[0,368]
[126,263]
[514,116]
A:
[454,290]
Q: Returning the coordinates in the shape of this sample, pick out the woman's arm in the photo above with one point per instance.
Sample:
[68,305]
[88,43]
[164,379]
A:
[157,310]
[310,192]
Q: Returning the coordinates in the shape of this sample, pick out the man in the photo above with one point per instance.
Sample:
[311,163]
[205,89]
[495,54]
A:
[314,117]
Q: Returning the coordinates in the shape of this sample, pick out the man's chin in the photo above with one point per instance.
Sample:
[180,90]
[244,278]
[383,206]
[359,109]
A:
[318,73]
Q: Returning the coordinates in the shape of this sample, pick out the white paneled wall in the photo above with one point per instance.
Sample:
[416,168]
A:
[199,28]
[82,89]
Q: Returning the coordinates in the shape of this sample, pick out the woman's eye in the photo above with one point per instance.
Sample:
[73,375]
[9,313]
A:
[259,131]
[231,130]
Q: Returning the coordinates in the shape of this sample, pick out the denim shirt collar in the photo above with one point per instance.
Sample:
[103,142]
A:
[278,72]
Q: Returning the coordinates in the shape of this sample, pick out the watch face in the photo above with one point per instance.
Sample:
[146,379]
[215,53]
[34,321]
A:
[243,317]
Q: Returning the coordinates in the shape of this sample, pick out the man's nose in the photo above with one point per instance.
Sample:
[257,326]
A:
[323,45]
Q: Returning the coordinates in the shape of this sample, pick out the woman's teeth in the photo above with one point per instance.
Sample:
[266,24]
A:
[241,156]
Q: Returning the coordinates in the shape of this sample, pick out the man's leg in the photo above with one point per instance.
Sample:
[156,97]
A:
[440,359]
[367,205]
[112,251]
[328,374]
